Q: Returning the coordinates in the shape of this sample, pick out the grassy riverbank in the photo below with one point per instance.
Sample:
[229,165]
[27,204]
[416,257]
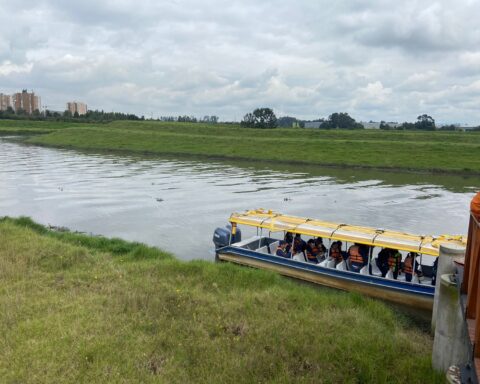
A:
[75,308]
[447,152]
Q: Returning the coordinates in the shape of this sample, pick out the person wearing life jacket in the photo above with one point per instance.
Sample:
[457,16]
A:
[336,252]
[382,260]
[320,249]
[394,260]
[356,259]
[281,249]
[311,252]
[299,245]
[408,266]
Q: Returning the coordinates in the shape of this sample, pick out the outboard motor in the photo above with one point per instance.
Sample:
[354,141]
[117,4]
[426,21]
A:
[221,236]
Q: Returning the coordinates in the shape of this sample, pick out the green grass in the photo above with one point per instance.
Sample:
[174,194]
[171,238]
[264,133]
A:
[449,152]
[75,308]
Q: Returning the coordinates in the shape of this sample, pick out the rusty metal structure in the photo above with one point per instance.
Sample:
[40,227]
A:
[471,282]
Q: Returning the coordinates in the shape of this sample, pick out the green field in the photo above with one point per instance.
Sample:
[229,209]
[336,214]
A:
[448,152]
[75,308]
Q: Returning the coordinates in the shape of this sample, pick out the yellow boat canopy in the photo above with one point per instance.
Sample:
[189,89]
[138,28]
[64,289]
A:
[275,222]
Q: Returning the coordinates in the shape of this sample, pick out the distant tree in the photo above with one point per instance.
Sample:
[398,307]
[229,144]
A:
[248,120]
[384,125]
[260,118]
[76,115]
[425,122]
[341,120]
[286,121]
[67,113]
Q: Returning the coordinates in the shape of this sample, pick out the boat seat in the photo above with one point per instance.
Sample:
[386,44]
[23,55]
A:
[331,263]
[273,247]
[401,277]
[364,270]
[342,266]
[415,280]
[426,281]
[389,275]
[375,270]
[324,263]
[299,257]
[263,249]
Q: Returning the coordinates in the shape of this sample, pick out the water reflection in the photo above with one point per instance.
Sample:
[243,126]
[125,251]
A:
[177,203]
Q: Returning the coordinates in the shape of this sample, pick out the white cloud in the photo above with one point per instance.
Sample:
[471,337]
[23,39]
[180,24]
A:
[374,59]
[7,68]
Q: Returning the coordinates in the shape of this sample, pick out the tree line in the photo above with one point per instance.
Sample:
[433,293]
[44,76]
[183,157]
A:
[95,116]
[265,118]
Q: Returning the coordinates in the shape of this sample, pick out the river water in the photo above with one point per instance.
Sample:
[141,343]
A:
[176,204]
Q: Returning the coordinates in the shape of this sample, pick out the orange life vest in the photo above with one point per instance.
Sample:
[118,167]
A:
[310,256]
[393,261]
[408,265]
[336,254]
[355,256]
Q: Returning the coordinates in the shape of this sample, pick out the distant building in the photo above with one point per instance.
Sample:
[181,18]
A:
[376,124]
[5,102]
[313,124]
[26,101]
[75,106]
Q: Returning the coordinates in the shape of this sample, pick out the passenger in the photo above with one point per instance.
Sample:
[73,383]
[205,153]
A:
[288,238]
[320,249]
[382,261]
[408,266]
[336,252]
[356,259]
[394,260]
[299,245]
[311,251]
[281,249]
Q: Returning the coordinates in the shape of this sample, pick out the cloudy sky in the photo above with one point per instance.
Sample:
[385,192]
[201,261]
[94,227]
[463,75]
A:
[377,60]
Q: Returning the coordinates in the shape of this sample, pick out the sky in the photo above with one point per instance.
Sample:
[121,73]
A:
[376,60]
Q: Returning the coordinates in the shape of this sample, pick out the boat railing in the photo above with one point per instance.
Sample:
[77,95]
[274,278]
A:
[471,284]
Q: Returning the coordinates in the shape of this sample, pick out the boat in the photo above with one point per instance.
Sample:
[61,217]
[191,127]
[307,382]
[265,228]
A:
[259,251]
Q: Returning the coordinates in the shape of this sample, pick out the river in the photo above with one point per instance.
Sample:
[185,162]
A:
[176,204]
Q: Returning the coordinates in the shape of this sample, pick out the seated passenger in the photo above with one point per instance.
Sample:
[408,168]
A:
[281,249]
[299,245]
[408,265]
[311,251]
[288,238]
[394,260]
[320,249]
[356,259]
[336,252]
[382,261]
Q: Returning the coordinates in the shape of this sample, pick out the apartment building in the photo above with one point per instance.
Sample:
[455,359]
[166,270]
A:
[75,106]
[5,102]
[26,101]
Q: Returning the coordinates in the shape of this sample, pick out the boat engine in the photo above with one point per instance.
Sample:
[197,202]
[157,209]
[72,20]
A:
[221,236]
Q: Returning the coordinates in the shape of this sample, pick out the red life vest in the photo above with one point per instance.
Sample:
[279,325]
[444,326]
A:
[355,256]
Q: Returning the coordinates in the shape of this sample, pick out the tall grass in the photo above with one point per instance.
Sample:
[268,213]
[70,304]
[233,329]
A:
[75,308]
